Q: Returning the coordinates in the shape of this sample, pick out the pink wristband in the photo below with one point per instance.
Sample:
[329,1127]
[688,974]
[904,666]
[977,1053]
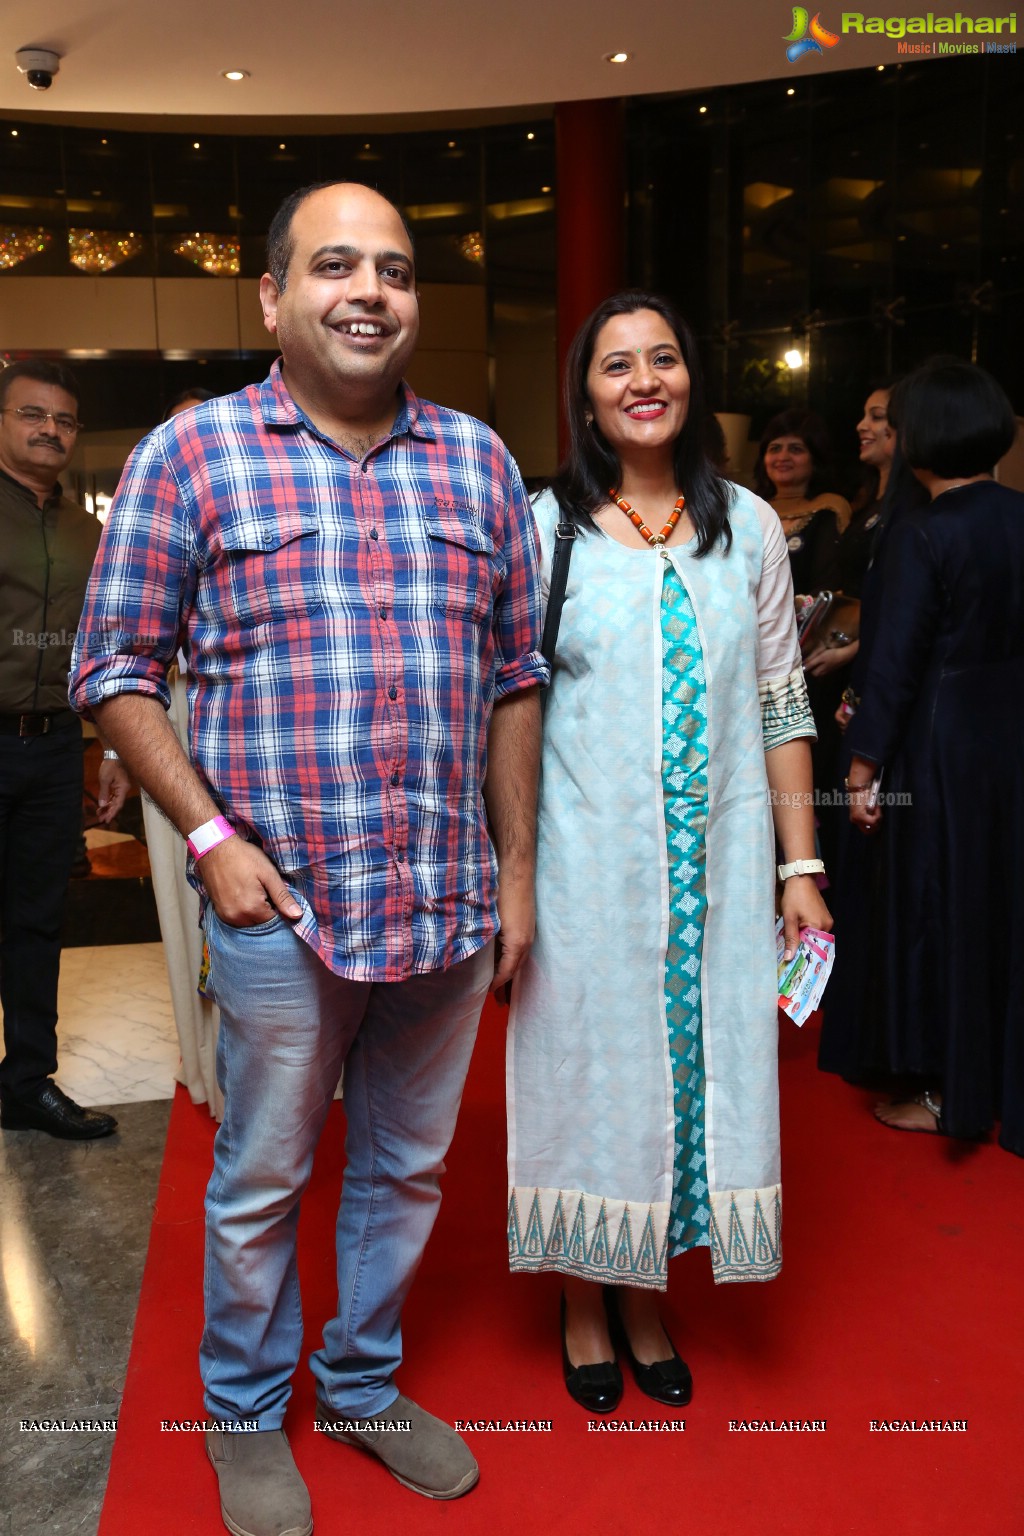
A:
[208,836]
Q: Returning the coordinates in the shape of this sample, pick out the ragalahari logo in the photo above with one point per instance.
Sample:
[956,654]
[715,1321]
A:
[808,35]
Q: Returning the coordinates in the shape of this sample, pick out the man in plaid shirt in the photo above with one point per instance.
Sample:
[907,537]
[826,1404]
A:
[354,573]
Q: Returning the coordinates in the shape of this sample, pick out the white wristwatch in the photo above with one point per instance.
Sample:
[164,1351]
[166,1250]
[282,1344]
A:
[801,867]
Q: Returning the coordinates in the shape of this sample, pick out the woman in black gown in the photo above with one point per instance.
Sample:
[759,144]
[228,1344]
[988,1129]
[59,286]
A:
[792,474]
[941,715]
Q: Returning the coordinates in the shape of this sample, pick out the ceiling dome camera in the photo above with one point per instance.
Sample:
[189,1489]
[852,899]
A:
[38,65]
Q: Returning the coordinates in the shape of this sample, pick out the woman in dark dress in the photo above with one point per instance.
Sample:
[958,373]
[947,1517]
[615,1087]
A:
[791,473]
[853,1039]
[848,566]
[941,715]
[842,567]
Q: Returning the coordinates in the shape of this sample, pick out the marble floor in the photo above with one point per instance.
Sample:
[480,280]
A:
[75,1220]
[74,1227]
[116,1039]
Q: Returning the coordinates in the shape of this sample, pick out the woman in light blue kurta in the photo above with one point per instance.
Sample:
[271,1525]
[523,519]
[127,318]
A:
[642,1070]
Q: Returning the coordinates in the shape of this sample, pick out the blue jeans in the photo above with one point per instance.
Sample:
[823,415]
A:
[288,1026]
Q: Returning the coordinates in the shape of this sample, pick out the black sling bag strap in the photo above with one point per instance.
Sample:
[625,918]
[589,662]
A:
[565,533]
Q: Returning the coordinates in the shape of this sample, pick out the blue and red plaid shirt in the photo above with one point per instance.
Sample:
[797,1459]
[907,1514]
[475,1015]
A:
[349,625]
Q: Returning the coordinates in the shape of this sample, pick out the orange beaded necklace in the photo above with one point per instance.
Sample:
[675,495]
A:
[653,539]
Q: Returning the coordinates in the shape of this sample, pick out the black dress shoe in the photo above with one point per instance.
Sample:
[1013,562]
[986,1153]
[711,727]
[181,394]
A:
[596,1387]
[49,1109]
[666,1381]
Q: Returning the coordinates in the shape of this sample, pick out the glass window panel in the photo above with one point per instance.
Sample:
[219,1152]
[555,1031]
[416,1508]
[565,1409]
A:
[109,202]
[195,199]
[33,215]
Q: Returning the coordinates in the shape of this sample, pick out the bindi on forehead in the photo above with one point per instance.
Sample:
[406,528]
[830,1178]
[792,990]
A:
[655,346]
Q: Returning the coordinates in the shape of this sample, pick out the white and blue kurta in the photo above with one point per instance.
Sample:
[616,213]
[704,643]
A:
[642,1058]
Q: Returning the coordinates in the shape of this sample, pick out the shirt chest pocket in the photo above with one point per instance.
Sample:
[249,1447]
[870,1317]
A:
[274,567]
[465,568]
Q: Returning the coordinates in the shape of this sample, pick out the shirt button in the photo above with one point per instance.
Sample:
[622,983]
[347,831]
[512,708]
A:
[373,533]
[392,692]
[383,610]
[396,778]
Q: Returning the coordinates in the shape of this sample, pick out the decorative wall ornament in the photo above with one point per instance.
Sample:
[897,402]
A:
[471,246]
[101,250]
[214,253]
[17,245]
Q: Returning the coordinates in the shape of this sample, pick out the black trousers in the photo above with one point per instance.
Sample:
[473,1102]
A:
[40,819]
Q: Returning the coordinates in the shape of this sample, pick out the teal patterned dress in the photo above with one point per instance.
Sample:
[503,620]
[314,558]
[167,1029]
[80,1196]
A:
[684,777]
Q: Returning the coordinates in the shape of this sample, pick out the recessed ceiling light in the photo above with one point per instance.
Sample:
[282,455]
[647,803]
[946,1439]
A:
[880,67]
[235,74]
[195,143]
[791,91]
[702,109]
[451,143]
[545,189]
[282,146]
[14,133]
[531,135]
[616,58]
[103,141]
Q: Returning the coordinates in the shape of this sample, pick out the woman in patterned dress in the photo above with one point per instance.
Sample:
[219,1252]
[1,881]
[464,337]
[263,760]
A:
[642,1060]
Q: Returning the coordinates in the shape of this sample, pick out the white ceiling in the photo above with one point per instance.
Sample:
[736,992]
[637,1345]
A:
[325,58]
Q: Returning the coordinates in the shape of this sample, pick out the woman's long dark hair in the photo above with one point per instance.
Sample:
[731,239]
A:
[590,467]
[813,432]
[903,492]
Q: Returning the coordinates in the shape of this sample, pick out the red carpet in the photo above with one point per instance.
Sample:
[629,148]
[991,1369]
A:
[900,1299]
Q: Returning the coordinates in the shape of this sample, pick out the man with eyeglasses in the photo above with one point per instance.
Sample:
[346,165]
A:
[48,544]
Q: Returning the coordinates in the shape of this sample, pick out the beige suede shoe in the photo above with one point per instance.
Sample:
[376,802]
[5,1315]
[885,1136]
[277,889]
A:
[422,1452]
[261,1492]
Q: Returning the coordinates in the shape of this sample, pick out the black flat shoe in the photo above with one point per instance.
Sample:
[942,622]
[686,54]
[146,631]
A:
[595,1387]
[50,1110]
[666,1381]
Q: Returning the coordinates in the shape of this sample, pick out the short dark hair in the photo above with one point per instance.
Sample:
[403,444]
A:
[813,432]
[43,372]
[590,466]
[280,242]
[186,396]
[954,419]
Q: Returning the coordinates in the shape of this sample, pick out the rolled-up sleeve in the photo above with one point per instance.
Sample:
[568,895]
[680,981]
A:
[140,587]
[782,687]
[518,607]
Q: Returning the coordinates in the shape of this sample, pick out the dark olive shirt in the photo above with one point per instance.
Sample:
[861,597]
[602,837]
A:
[46,555]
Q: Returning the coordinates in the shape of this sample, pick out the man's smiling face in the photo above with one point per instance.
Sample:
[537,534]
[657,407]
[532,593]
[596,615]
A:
[347,319]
